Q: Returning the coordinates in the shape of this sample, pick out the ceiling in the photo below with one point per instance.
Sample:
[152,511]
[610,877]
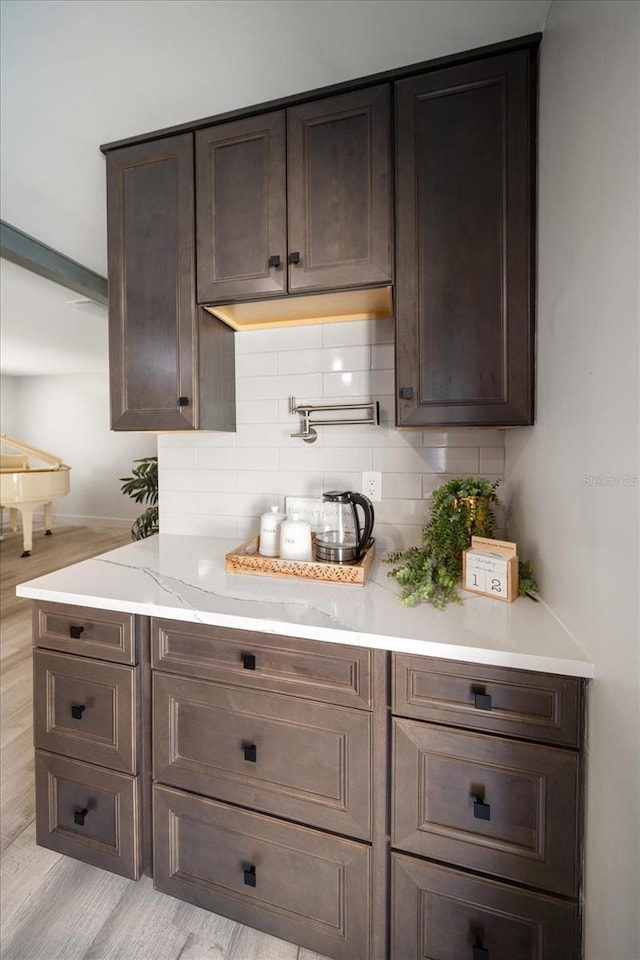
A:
[76,74]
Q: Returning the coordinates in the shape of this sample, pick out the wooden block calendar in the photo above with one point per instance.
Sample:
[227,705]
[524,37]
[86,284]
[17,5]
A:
[490,567]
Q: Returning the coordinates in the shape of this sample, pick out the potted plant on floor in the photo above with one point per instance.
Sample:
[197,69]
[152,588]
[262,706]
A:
[143,488]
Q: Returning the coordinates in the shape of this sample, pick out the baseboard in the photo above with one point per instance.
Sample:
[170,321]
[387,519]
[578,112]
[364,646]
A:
[62,519]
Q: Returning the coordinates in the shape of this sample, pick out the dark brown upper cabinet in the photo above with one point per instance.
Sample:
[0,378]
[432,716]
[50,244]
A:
[171,364]
[465,244]
[295,200]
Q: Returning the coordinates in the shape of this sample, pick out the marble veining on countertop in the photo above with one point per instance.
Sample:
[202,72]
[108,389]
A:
[184,578]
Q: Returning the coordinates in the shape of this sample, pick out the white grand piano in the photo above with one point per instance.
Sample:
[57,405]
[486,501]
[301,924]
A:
[24,488]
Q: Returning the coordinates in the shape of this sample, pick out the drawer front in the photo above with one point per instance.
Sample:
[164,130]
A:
[86,709]
[328,672]
[533,706]
[441,914]
[88,813]
[290,881]
[500,807]
[85,632]
[300,760]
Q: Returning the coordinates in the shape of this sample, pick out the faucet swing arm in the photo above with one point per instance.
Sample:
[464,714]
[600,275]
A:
[309,434]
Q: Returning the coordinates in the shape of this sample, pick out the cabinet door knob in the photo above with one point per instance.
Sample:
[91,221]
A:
[479,952]
[406,393]
[274,261]
[249,661]
[481,700]
[77,710]
[79,815]
[250,752]
[250,876]
[294,257]
[481,810]
[76,632]
[183,401]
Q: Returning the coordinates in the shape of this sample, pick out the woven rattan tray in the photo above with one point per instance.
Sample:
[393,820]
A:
[246,559]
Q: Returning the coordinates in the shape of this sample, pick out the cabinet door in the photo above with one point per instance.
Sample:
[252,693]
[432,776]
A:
[339,210]
[152,312]
[464,245]
[241,218]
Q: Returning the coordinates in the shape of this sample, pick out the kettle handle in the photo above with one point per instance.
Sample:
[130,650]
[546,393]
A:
[369,516]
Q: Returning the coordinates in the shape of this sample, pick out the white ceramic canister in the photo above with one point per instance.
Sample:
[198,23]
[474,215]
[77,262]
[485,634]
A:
[270,532]
[295,539]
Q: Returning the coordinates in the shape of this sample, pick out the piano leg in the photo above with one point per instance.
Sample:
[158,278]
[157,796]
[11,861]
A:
[13,518]
[48,518]
[27,527]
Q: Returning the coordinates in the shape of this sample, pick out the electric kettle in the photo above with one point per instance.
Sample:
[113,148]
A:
[340,537]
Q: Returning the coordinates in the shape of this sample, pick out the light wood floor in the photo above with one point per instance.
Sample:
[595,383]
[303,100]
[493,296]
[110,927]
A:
[52,907]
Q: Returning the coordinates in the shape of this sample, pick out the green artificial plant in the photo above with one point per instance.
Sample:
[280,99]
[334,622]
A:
[143,488]
[460,509]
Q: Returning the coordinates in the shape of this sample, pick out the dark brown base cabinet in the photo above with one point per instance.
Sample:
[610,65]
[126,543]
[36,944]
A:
[358,803]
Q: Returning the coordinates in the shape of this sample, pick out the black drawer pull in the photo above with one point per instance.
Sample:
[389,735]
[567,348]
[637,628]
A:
[249,661]
[481,810]
[250,876]
[481,700]
[274,261]
[79,815]
[406,393]
[183,401]
[250,752]
[294,257]
[77,710]
[76,632]
[479,952]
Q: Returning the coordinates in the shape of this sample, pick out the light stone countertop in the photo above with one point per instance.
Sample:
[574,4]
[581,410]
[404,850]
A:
[184,578]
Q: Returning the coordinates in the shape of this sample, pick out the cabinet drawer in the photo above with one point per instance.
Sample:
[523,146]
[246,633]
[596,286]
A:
[442,914]
[85,632]
[291,882]
[300,760]
[86,709]
[88,813]
[500,807]
[534,706]
[329,672]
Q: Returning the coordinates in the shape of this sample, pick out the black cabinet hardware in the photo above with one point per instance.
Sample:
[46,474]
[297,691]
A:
[77,710]
[406,393]
[294,257]
[479,952]
[481,700]
[79,815]
[76,632]
[183,401]
[274,261]
[250,752]
[249,661]
[250,876]
[481,810]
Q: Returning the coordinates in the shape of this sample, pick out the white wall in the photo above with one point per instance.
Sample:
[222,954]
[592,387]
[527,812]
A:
[8,404]
[219,484]
[573,478]
[69,416]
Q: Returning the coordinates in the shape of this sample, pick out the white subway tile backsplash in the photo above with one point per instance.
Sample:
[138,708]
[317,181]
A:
[324,361]
[276,388]
[402,486]
[425,460]
[491,460]
[257,411]
[358,331]
[239,458]
[363,383]
[382,356]
[257,365]
[308,337]
[218,484]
